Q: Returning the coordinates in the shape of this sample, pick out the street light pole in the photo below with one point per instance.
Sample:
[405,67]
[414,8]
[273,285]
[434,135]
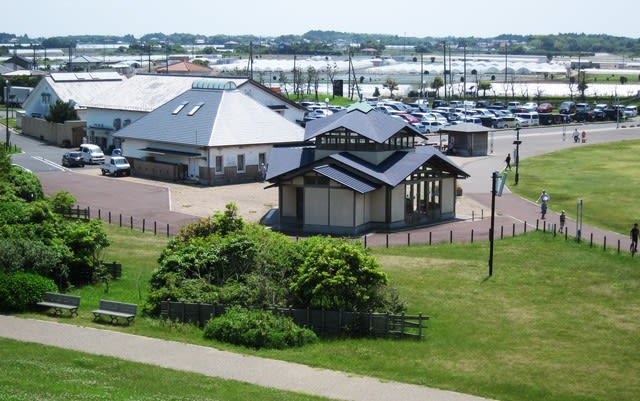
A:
[517,142]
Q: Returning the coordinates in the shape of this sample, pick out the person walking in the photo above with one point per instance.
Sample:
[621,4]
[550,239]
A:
[634,238]
[563,219]
[508,162]
[543,199]
[584,136]
[576,135]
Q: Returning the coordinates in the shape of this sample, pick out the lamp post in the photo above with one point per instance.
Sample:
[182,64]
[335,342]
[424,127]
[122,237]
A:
[6,104]
[517,142]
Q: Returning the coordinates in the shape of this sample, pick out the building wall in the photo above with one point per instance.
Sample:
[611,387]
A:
[68,134]
[397,203]
[361,209]
[288,201]
[448,195]
[377,209]
[101,123]
[316,201]
[341,205]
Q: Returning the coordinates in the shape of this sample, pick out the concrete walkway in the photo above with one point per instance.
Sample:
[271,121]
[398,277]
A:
[226,365]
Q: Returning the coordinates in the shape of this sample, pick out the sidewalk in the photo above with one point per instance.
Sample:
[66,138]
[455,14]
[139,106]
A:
[215,363]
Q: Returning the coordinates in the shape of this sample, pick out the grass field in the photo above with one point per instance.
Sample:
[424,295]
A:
[556,321]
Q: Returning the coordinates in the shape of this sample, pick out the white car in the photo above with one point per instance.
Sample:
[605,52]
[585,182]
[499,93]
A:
[513,122]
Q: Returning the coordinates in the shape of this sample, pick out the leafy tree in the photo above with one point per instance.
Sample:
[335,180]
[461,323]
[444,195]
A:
[335,274]
[484,86]
[61,112]
[390,84]
[436,84]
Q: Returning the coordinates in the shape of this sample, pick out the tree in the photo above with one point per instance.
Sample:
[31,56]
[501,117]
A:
[484,86]
[61,112]
[436,84]
[336,274]
[390,84]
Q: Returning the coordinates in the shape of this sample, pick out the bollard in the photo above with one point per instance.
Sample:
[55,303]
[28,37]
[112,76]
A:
[155,231]
[481,214]
[387,240]
[501,232]
[605,243]
[365,242]
[537,224]
[618,247]
[88,215]
[429,237]
[99,214]
[472,235]
[120,219]
[109,216]
[513,230]
[143,224]
[131,222]
[525,226]
[451,236]
[591,241]
[167,230]
[409,238]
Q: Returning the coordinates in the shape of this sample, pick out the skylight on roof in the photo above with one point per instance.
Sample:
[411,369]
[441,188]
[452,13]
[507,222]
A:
[195,109]
[179,108]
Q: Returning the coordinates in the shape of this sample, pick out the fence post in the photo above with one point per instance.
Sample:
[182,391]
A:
[618,247]
[387,240]
[109,216]
[409,238]
[402,326]
[605,243]
[77,211]
[513,230]
[501,232]
[155,227]
[472,216]
[99,214]
[131,221]
[88,214]
[143,224]
[481,214]
[120,219]
[472,235]
[537,224]
[451,236]
[591,241]
[429,237]
[420,326]
[525,226]
[167,230]
[365,242]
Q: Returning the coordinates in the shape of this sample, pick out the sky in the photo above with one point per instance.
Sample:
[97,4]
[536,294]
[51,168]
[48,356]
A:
[433,18]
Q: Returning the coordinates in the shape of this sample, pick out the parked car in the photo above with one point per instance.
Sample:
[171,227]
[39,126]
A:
[583,112]
[529,119]
[116,167]
[544,108]
[91,154]
[433,126]
[72,159]
[631,111]
[513,106]
[513,122]
[567,107]
[529,107]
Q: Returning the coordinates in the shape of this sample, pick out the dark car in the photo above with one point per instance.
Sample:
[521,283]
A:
[567,107]
[72,159]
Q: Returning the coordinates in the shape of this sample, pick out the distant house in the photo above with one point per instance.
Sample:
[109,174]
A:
[108,101]
[213,134]
[185,67]
[361,172]
[17,62]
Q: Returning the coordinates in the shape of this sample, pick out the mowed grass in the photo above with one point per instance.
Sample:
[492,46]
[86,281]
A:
[557,320]
[37,372]
[604,176]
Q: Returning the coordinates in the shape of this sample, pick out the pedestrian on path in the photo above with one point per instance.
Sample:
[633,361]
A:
[508,161]
[543,198]
[634,238]
[563,219]
[576,135]
[584,137]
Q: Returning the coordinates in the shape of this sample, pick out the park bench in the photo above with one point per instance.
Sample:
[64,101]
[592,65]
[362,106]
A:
[61,302]
[115,310]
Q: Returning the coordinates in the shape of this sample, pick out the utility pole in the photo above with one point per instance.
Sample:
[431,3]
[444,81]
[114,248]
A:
[517,142]
[494,180]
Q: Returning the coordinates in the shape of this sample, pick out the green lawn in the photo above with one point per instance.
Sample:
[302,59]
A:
[557,321]
[37,372]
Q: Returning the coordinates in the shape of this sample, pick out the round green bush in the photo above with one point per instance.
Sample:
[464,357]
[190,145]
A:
[20,290]
[257,329]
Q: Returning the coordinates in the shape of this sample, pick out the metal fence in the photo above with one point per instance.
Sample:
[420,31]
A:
[322,322]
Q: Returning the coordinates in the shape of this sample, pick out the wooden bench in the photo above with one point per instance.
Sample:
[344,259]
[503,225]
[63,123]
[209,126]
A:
[61,302]
[115,310]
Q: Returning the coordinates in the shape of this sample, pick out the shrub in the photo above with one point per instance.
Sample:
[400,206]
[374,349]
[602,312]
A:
[20,290]
[257,329]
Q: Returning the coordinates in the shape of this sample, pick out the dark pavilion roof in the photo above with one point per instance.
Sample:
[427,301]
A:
[364,120]
[354,172]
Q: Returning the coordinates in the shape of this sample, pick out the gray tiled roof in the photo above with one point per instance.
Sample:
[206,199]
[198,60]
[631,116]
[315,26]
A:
[224,118]
[369,123]
[347,179]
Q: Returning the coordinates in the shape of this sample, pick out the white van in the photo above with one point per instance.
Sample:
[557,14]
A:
[91,154]
[530,119]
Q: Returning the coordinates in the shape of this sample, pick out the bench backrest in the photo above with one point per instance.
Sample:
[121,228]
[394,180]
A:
[71,300]
[120,307]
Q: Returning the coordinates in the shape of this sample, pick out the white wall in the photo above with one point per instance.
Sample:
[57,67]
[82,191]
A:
[397,203]
[448,195]
[315,206]
[341,206]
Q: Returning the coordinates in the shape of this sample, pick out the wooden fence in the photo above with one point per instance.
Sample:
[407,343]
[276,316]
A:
[322,322]
[122,221]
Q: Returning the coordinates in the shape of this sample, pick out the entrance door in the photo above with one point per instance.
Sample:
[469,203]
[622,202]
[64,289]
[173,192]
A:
[300,205]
